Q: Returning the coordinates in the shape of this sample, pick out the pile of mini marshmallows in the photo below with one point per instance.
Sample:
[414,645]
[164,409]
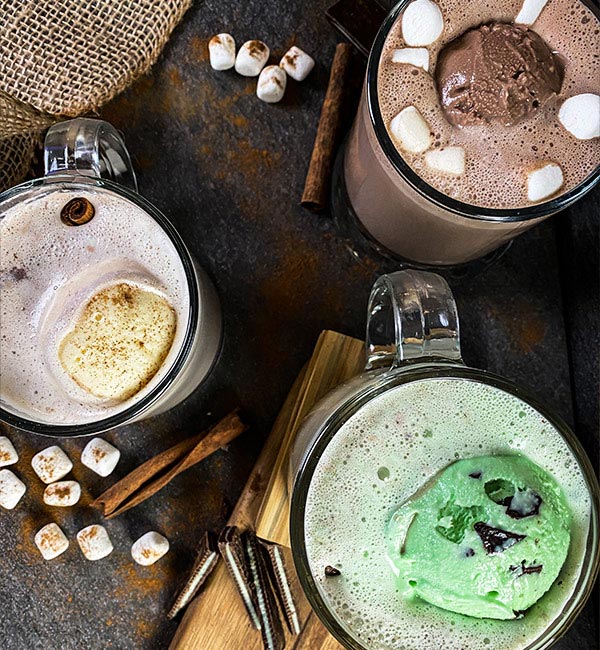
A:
[422,25]
[52,465]
[251,60]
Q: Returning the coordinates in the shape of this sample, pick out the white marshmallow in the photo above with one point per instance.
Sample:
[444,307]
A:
[297,63]
[51,541]
[411,131]
[251,58]
[100,456]
[580,115]
[544,181]
[94,542]
[271,84]
[51,464]
[63,493]
[530,10]
[149,548]
[422,23]
[11,489]
[450,160]
[221,51]
[417,56]
[8,454]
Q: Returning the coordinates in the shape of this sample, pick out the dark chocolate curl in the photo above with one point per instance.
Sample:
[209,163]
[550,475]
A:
[496,540]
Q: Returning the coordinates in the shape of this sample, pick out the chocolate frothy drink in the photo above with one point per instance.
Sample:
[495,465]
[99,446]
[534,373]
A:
[480,118]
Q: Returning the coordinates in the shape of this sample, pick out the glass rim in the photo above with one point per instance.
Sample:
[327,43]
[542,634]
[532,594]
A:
[68,180]
[392,379]
[435,196]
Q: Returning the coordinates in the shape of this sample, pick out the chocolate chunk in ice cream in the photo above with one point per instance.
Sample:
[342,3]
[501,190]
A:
[496,72]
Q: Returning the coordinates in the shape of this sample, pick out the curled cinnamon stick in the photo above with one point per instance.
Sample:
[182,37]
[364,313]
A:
[318,178]
[148,478]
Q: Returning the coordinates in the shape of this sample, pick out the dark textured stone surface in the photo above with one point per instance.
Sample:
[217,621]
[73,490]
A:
[229,170]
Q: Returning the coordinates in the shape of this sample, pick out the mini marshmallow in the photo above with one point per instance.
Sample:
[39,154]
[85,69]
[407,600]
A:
[530,10]
[450,160]
[100,456]
[94,542]
[221,51]
[417,56]
[51,464]
[271,84]
[11,489]
[544,181]
[63,494]
[297,63]
[149,548]
[411,131]
[580,115]
[8,454]
[251,58]
[422,23]
[51,541]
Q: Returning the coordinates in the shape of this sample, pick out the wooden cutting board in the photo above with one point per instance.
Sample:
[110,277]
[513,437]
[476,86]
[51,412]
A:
[216,618]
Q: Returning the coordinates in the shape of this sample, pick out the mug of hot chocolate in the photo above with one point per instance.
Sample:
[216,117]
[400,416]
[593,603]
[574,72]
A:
[106,318]
[477,121]
[435,505]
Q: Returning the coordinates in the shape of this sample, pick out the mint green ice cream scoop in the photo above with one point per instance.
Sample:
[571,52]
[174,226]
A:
[486,537]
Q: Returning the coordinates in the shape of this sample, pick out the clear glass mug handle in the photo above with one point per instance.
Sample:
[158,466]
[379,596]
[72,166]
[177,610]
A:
[88,147]
[412,315]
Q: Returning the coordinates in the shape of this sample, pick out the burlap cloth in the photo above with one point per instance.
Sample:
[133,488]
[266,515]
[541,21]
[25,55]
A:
[62,58]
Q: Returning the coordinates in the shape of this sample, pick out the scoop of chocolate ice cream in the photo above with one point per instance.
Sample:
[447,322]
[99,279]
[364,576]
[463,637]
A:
[496,72]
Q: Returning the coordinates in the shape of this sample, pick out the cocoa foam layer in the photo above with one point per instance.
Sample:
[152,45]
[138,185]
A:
[498,157]
[377,460]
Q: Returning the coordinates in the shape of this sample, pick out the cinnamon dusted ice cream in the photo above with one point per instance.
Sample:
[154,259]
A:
[496,72]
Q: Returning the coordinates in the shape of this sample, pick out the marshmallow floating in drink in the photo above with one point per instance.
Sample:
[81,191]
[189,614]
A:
[11,489]
[580,115]
[62,494]
[297,63]
[543,181]
[100,456]
[416,56]
[530,11]
[149,548]
[8,454]
[51,464]
[422,23]
[486,538]
[221,51]
[411,131]
[271,84]
[94,542]
[450,160]
[251,58]
[51,541]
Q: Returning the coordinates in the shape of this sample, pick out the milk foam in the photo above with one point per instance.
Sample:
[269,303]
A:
[49,272]
[497,156]
[378,459]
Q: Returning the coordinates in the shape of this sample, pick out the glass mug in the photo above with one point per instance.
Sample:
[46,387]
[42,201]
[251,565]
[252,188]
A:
[378,199]
[128,241]
[372,442]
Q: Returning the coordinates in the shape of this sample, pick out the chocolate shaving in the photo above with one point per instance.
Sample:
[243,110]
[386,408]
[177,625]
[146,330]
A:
[475,475]
[331,571]
[496,540]
[77,212]
[524,570]
[281,584]
[270,628]
[207,559]
[232,551]
[524,503]
[519,613]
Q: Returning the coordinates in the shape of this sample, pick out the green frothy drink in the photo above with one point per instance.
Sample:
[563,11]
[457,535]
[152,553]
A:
[486,537]
[401,453]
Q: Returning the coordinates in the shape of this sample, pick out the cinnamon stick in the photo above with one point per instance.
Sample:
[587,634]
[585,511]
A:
[318,178]
[148,478]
